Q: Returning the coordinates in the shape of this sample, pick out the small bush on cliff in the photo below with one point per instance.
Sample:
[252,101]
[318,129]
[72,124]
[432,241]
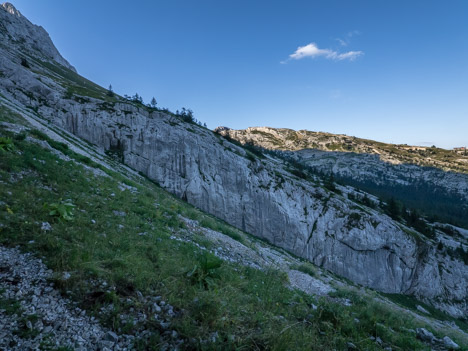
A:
[330,183]
[68,94]
[25,63]
[393,209]
[306,268]
[250,156]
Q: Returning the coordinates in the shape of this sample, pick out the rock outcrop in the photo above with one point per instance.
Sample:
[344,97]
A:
[255,194]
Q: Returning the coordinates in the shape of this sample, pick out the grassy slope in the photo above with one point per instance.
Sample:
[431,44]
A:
[246,307]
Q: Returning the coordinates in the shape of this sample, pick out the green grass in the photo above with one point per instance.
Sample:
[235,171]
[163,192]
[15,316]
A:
[75,83]
[248,308]
[6,115]
[411,303]
[374,318]
[219,226]
[10,306]
[306,268]
[334,147]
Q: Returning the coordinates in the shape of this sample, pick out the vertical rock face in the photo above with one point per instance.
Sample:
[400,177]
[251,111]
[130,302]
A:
[254,194]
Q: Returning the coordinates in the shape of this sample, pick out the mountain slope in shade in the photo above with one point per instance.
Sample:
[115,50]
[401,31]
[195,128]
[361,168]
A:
[254,193]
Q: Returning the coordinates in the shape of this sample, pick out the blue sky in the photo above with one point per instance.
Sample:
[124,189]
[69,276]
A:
[393,71]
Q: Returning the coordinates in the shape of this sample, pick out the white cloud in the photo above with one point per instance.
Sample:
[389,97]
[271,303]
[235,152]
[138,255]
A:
[312,50]
[350,55]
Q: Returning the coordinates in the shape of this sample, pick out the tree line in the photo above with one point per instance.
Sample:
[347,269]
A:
[185,114]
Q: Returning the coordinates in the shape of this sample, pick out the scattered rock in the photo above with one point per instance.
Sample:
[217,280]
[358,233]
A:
[123,187]
[425,335]
[422,309]
[46,226]
[450,344]
[347,302]
[111,336]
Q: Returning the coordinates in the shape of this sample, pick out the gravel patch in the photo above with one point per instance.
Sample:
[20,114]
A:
[308,284]
[34,313]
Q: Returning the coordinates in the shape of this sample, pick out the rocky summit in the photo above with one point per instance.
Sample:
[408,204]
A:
[271,184]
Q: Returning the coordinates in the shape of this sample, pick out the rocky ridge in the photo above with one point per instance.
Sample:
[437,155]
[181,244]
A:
[292,140]
[254,194]
[363,160]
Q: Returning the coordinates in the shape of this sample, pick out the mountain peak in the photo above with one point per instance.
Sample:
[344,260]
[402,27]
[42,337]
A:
[19,33]
[11,9]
